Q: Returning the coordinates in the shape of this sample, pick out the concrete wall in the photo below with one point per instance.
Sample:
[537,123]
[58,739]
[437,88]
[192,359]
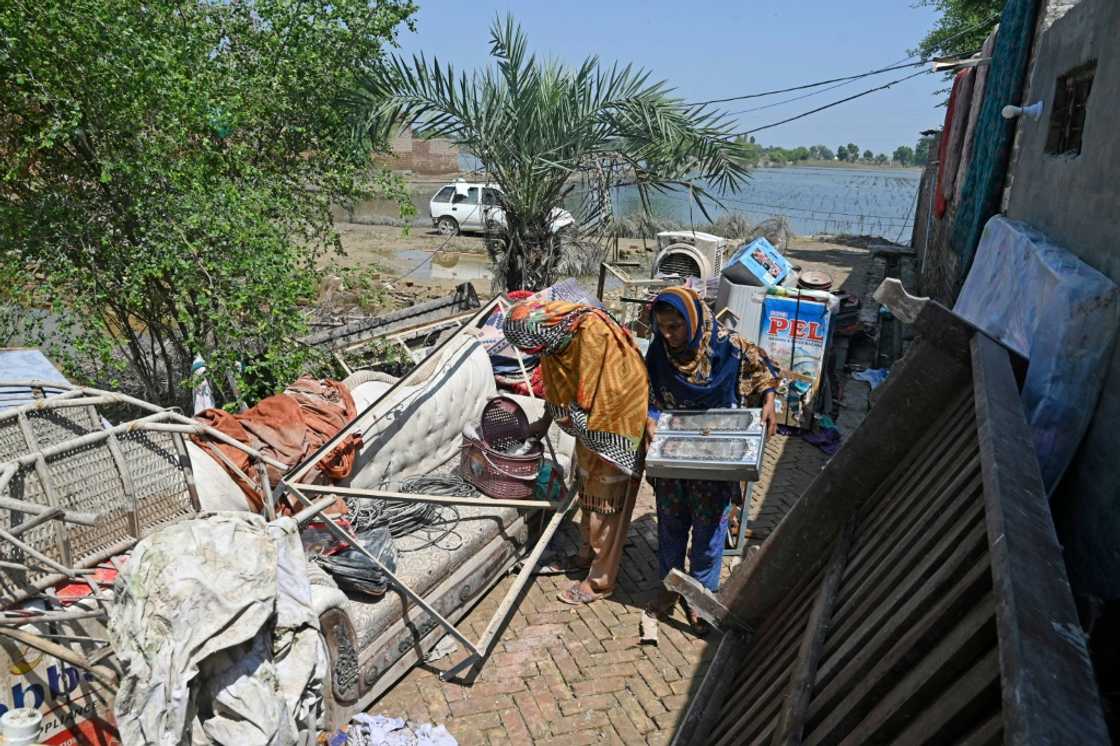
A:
[1075,200]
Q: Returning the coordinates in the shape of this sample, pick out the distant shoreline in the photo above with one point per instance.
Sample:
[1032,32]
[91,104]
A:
[843,164]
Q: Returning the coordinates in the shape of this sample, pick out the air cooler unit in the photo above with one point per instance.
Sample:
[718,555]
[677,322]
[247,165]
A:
[689,254]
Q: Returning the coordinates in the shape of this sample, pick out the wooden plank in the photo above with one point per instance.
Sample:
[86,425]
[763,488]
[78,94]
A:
[702,601]
[875,672]
[936,323]
[770,659]
[913,500]
[770,638]
[883,589]
[915,392]
[889,250]
[943,720]
[760,703]
[953,443]
[763,711]
[695,728]
[907,549]
[933,436]
[941,647]
[988,733]
[944,510]
[1048,687]
[909,603]
[791,721]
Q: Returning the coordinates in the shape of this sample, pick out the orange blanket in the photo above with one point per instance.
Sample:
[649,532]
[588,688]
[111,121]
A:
[288,427]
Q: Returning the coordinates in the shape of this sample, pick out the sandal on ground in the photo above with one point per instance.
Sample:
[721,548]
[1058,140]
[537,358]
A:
[576,596]
[563,566]
[700,627]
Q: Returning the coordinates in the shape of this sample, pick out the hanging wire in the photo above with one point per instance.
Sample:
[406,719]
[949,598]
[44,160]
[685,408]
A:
[899,65]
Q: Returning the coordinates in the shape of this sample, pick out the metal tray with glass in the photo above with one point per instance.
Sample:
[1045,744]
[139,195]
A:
[716,444]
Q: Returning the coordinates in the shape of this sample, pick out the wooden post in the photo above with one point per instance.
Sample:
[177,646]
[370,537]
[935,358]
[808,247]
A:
[1049,691]
[703,601]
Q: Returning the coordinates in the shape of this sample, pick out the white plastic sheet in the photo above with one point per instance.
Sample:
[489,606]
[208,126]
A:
[1058,312]
[215,628]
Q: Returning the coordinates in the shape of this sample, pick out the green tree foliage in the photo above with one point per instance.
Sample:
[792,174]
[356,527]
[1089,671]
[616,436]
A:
[962,27]
[868,155]
[921,151]
[882,159]
[904,155]
[535,124]
[842,152]
[853,152]
[824,153]
[168,175]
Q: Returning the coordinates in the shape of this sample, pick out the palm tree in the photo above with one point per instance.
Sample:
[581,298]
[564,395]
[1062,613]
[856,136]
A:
[541,129]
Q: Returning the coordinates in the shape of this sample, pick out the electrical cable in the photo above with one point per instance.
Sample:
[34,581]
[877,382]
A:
[427,523]
[861,94]
[775,92]
[899,65]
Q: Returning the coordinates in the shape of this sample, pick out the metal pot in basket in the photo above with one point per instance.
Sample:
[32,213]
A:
[487,462]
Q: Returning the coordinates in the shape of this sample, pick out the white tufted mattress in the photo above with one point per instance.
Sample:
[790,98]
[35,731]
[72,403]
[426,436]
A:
[416,428]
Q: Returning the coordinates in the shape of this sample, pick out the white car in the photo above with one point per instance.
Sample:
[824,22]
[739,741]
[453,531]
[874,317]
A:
[474,206]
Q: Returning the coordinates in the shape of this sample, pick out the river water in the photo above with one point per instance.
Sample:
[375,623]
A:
[863,201]
[858,201]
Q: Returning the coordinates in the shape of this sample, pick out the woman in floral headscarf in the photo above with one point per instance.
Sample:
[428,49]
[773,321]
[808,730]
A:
[693,364]
[596,390]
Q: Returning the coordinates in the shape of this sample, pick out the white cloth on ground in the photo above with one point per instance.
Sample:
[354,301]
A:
[378,730]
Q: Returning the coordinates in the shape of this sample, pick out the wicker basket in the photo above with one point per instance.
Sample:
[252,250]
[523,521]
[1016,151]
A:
[485,462]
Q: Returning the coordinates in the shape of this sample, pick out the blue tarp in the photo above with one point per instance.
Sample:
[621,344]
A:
[1044,303]
[25,365]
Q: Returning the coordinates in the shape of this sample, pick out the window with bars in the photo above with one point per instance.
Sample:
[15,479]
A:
[1067,116]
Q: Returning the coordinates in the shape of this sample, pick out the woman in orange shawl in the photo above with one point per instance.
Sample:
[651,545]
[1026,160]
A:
[596,390]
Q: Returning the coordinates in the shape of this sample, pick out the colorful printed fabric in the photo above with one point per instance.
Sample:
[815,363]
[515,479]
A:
[699,508]
[705,501]
[721,370]
[595,381]
[543,328]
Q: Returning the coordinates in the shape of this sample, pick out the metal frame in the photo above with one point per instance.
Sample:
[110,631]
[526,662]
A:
[70,396]
[298,484]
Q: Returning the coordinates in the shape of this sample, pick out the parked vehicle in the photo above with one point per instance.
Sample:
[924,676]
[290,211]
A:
[476,207]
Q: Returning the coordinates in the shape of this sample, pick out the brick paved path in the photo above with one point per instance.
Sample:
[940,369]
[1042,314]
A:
[564,675]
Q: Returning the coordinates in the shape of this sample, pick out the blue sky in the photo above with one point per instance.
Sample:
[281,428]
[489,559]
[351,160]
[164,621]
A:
[724,48]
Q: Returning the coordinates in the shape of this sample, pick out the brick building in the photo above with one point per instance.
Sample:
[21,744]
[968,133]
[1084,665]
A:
[411,153]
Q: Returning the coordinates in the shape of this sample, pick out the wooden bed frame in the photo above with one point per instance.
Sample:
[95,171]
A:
[916,593]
